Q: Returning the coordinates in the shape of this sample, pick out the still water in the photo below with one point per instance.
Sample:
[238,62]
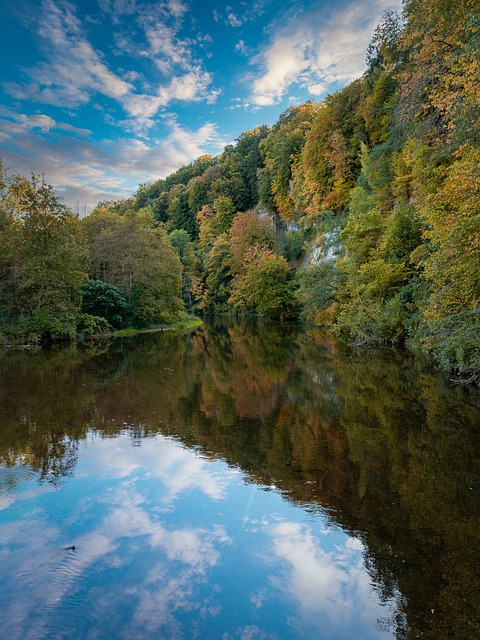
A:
[245,481]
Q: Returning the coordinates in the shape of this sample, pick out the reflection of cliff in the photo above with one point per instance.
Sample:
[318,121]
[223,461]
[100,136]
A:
[385,449]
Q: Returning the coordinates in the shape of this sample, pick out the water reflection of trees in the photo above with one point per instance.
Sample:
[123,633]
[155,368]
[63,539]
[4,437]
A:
[385,448]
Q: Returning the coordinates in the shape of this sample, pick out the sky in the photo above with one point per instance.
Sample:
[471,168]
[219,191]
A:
[103,95]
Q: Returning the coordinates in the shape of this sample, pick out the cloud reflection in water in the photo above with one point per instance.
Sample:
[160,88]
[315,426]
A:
[329,585]
[171,544]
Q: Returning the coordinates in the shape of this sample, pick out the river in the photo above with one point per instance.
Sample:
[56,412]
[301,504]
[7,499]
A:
[248,480]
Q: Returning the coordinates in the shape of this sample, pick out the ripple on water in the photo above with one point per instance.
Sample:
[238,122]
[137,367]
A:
[11,480]
[46,592]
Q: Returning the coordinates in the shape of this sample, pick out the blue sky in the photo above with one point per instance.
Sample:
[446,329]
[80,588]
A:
[101,95]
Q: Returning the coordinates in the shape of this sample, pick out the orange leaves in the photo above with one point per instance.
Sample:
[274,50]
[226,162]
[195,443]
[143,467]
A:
[247,230]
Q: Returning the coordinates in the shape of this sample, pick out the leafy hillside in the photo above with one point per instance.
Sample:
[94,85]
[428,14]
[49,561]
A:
[361,213]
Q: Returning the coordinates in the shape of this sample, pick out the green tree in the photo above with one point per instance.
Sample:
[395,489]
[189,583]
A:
[218,276]
[224,213]
[185,248]
[316,292]
[326,169]
[134,254]
[452,265]
[179,214]
[214,221]
[51,270]
[264,285]
[280,149]
[10,251]
[106,301]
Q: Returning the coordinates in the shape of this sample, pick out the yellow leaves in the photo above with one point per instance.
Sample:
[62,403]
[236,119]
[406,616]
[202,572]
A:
[453,219]
[378,279]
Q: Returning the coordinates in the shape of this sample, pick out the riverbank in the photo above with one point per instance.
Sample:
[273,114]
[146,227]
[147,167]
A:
[25,340]
[183,325]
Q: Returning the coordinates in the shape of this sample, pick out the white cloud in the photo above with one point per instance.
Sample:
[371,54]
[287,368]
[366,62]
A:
[330,586]
[244,12]
[98,170]
[184,76]
[165,48]
[191,86]
[181,470]
[285,59]
[42,575]
[241,47]
[190,546]
[233,20]
[316,89]
[177,8]
[42,121]
[316,49]
[118,8]
[73,71]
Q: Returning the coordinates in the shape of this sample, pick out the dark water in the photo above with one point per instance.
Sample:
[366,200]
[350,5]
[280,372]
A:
[247,481]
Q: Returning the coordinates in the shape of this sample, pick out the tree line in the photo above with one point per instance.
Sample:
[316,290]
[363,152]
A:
[62,277]
[386,170]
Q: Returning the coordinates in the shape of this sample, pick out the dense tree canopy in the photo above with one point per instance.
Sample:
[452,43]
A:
[42,268]
[132,253]
[361,212]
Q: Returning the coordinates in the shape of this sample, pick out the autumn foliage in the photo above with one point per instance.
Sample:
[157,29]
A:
[360,213]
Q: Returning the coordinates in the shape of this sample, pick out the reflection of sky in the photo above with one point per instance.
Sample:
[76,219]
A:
[329,585]
[173,545]
[177,468]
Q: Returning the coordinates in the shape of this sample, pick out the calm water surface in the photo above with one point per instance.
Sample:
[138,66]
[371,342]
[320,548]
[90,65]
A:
[246,481]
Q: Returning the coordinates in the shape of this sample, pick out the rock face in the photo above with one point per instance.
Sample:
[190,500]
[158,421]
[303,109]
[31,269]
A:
[327,247]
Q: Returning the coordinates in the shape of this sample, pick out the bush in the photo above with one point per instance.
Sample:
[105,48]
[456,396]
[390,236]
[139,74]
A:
[52,326]
[374,322]
[455,341]
[264,286]
[17,331]
[101,299]
[92,327]
[316,289]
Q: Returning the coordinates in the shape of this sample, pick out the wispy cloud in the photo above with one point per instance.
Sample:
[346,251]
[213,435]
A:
[241,47]
[73,72]
[181,471]
[118,8]
[283,61]
[233,20]
[244,12]
[42,122]
[191,86]
[101,169]
[316,49]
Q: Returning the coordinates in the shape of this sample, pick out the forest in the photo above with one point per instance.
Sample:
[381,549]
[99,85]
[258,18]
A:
[360,214]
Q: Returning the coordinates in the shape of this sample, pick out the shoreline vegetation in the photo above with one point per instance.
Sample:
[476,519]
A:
[185,324]
[182,325]
[360,214]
